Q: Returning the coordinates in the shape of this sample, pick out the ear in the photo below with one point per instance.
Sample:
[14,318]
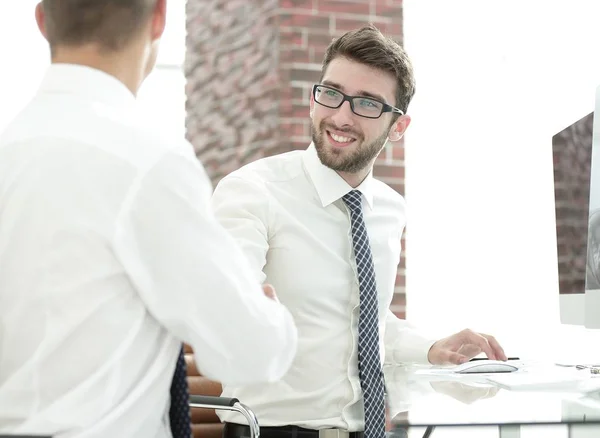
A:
[159,19]
[312,105]
[40,18]
[399,127]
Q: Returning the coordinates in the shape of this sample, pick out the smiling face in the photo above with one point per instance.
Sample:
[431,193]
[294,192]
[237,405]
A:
[345,141]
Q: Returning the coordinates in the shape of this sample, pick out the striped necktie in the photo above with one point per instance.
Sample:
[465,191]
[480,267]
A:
[369,359]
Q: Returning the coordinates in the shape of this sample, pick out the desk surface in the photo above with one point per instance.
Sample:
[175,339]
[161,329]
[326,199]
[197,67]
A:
[416,399]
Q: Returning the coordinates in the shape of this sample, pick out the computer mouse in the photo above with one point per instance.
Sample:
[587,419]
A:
[485,366]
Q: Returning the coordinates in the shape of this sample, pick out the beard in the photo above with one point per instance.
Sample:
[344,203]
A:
[342,160]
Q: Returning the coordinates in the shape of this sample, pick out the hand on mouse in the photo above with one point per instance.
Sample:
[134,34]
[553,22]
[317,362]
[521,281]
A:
[463,346]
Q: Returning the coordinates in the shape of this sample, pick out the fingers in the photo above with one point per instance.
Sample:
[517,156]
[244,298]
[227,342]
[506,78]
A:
[495,346]
[481,341]
[469,350]
[456,358]
[488,344]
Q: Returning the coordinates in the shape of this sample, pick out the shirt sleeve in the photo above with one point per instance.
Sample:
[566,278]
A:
[404,343]
[194,278]
[244,210]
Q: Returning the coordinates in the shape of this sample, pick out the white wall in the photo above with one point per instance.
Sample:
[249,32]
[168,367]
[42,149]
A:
[495,80]
[163,93]
[25,57]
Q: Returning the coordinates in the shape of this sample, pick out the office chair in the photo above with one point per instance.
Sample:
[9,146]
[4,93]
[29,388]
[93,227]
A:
[205,399]
[229,404]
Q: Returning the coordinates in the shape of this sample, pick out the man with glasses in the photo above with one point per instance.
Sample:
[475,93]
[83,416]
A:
[326,234]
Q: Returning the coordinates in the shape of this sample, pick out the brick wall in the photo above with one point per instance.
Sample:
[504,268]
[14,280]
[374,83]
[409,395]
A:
[244,48]
[232,88]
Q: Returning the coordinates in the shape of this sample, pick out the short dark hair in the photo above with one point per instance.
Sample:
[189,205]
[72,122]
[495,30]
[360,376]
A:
[108,23]
[369,46]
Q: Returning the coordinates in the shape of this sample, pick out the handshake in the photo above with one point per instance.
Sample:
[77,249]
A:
[269,291]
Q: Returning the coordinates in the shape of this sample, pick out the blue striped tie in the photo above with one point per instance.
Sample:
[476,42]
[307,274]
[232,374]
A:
[369,359]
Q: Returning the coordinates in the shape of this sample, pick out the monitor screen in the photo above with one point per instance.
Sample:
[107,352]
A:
[576,158]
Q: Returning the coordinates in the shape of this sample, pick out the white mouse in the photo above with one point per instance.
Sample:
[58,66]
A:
[485,366]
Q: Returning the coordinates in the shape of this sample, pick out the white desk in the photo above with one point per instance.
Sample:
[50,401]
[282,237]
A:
[419,400]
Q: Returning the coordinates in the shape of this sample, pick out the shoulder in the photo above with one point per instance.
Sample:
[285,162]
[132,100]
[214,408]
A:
[266,171]
[388,196]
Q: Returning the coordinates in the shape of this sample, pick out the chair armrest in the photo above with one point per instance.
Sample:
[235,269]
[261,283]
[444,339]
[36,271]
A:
[227,404]
[212,400]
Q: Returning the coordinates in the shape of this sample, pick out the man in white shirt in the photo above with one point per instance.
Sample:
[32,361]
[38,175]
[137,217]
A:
[300,218]
[110,256]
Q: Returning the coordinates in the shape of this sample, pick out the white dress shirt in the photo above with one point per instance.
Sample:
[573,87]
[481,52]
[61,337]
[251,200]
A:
[110,257]
[287,213]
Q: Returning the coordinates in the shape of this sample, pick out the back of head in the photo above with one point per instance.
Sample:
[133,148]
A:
[108,24]
[369,46]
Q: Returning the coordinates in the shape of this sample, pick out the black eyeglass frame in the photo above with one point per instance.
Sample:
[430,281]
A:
[385,108]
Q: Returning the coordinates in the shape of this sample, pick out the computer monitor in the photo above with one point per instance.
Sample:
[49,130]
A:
[576,157]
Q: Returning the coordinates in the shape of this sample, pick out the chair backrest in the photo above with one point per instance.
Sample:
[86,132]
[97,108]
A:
[205,423]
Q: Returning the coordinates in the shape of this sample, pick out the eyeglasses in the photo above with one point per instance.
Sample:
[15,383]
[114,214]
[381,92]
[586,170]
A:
[360,105]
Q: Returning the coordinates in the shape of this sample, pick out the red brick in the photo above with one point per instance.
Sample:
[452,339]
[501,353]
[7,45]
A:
[384,171]
[281,148]
[319,38]
[317,54]
[399,300]
[300,111]
[298,4]
[343,25]
[400,280]
[303,20]
[390,9]
[305,75]
[311,21]
[294,129]
[299,145]
[344,7]
[291,37]
[297,93]
[285,19]
[398,150]
[393,30]
[294,54]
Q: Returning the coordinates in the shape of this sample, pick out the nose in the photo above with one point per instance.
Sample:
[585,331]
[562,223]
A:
[343,115]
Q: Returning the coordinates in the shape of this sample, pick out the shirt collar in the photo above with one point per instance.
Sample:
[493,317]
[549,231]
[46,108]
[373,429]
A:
[88,82]
[329,185]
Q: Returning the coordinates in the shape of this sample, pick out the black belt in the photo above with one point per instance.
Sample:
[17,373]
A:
[234,430]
